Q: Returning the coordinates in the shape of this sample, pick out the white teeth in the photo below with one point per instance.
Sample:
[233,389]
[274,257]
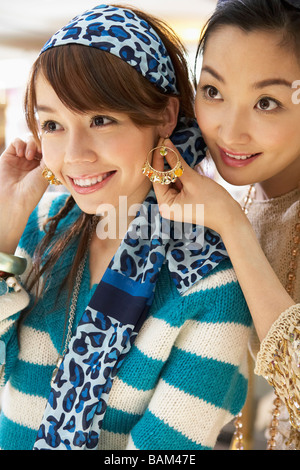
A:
[85,183]
[239,157]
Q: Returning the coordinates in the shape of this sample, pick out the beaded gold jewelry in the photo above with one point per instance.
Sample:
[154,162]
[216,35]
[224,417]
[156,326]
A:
[276,373]
[249,199]
[50,177]
[283,374]
[162,177]
[283,349]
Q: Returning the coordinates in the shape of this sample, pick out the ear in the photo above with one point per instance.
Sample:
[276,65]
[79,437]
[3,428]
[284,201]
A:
[169,116]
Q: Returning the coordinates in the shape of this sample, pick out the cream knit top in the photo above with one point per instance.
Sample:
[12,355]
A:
[274,222]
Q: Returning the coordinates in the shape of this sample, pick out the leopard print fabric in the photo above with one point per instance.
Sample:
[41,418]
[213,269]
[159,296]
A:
[121,33]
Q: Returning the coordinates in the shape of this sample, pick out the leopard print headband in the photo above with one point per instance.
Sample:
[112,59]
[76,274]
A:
[122,33]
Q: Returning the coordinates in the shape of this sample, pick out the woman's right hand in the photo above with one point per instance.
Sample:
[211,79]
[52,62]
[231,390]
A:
[21,180]
[21,188]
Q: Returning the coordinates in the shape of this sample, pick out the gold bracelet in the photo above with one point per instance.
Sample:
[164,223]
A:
[12,264]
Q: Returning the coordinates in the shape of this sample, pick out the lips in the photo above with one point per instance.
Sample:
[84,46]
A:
[236,159]
[88,184]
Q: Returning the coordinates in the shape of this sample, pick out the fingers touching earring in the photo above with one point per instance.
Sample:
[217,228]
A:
[50,177]
[162,177]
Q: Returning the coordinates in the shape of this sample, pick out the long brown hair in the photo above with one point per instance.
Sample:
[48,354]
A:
[79,76]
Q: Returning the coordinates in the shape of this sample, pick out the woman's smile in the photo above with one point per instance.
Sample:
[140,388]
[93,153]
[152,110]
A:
[234,159]
[88,184]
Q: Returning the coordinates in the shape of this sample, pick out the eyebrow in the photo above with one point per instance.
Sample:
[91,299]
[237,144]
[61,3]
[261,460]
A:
[45,109]
[257,85]
[272,81]
[212,72]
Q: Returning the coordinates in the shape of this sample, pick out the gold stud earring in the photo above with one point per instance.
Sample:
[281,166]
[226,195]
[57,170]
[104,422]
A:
[50,177]
[162,177]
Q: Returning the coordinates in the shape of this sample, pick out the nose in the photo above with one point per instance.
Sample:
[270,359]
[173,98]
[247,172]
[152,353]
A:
[79,147]
[234,128]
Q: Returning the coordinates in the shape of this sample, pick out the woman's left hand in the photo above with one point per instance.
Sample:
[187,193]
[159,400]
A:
[182,200]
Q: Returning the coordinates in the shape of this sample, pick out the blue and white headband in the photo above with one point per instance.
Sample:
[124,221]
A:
[122,33]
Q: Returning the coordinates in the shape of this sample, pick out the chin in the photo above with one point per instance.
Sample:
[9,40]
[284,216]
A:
[236,178]
[90,209]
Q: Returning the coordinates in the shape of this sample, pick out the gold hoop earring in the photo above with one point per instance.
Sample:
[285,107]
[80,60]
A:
[162,177]
[50,177]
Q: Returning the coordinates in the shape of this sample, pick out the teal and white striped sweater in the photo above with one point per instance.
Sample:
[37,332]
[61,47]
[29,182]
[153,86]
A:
[183,380]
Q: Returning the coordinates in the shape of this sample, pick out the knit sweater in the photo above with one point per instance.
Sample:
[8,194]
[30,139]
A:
[184,378]
[274,221]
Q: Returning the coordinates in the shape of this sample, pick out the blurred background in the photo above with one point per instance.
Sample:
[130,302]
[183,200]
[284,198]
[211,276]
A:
[24,28]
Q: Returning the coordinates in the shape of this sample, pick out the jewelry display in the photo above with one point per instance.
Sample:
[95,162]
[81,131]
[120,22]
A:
[50,177]
[163,177]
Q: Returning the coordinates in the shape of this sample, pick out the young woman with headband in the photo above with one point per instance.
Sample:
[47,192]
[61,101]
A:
[144,334]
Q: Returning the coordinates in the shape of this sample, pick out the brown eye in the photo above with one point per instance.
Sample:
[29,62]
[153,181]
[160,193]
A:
[212,92]
[264,104]
[100,121]
[50,126]
[267,104]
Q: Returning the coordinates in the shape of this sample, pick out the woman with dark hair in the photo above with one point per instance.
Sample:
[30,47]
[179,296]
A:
[144,333]
[247,107]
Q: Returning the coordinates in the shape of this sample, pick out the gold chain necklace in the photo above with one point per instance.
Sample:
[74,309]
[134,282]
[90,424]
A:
[290,288]
[249,199]
[74,299]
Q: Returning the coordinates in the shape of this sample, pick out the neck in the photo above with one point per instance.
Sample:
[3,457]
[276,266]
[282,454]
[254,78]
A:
[279,184]
[266,191]
[114,223]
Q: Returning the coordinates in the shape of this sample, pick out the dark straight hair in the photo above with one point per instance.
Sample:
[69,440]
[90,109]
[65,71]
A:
[256,15]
